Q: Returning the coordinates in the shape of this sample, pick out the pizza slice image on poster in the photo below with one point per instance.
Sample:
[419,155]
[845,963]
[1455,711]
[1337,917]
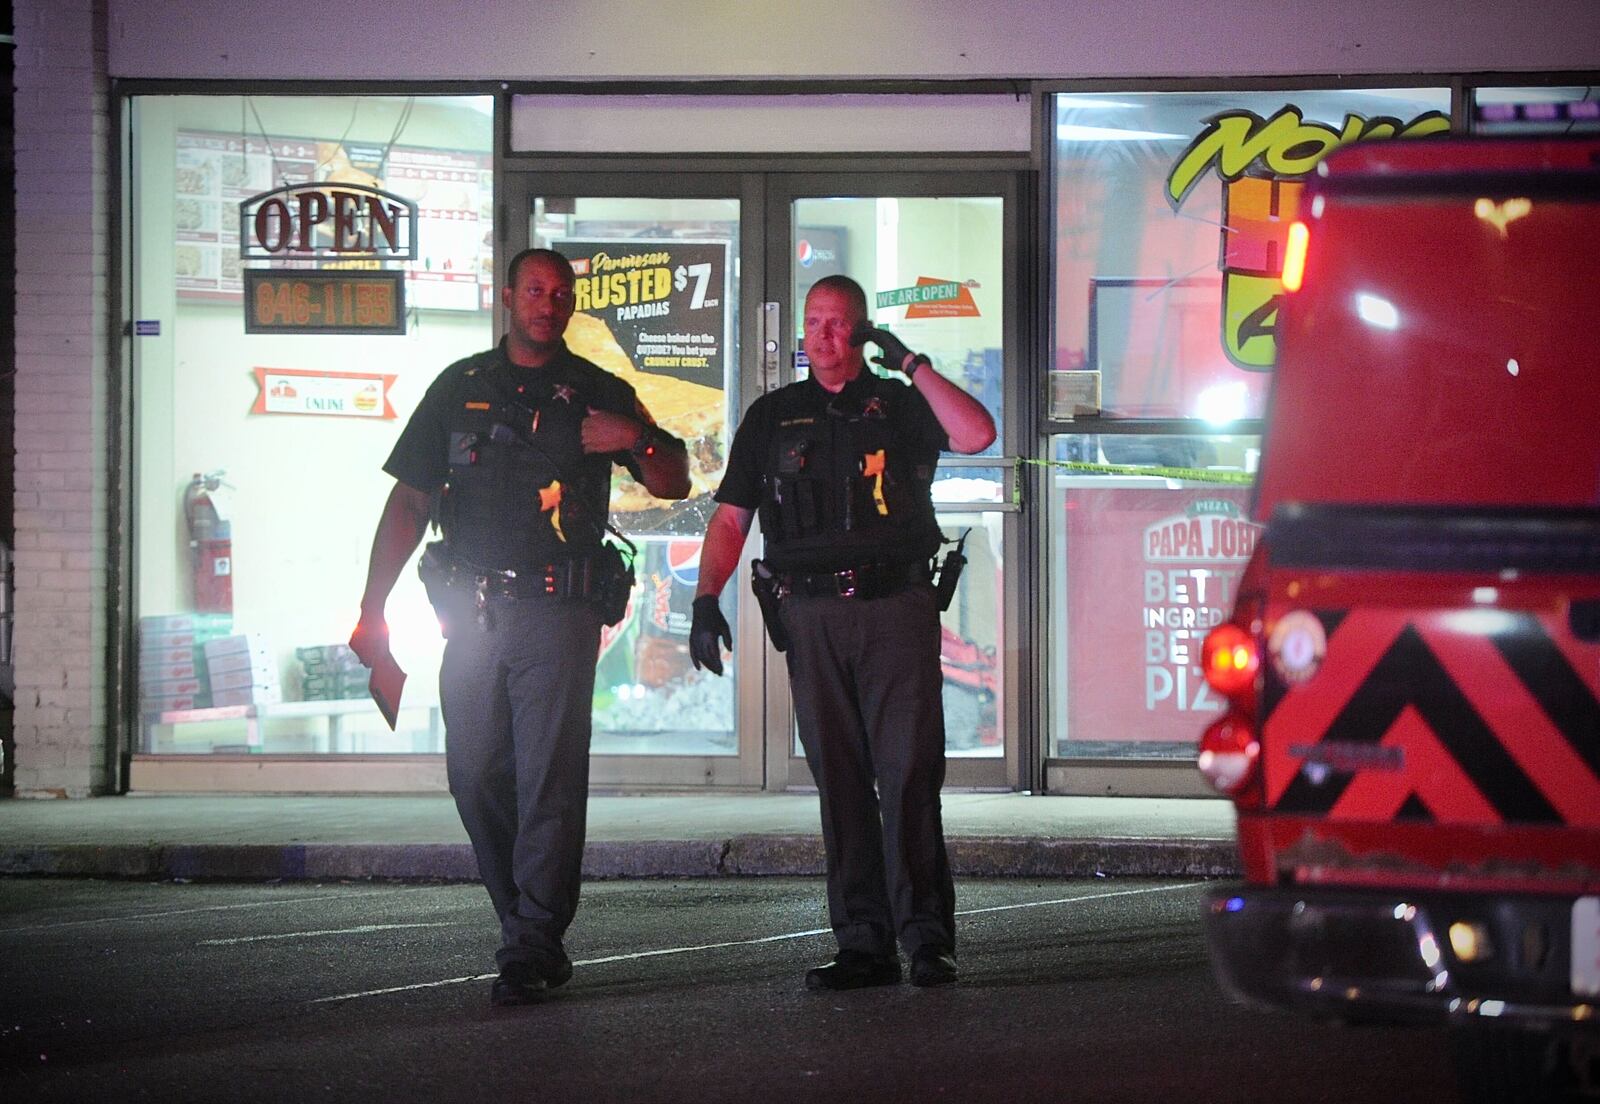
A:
[655,314]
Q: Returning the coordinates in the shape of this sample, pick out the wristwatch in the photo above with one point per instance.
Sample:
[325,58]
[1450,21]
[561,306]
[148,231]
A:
[920,360]
[648,441]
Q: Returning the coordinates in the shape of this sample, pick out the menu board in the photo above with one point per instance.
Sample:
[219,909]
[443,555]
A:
[453,190]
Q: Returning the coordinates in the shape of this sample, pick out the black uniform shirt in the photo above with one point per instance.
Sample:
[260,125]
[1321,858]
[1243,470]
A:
[916,432]
[421,457]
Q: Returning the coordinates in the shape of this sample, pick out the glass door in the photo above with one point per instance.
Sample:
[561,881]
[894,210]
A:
[659,304]
[690,288]
[935,253]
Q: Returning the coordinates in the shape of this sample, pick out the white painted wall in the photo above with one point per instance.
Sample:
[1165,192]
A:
[766,39]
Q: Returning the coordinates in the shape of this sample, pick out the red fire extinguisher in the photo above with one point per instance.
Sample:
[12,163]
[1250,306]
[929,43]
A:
[205,509]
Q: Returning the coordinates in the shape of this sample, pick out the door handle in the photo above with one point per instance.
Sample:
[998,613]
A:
[771,347]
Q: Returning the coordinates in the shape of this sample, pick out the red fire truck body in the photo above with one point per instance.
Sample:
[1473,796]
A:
[1412,668]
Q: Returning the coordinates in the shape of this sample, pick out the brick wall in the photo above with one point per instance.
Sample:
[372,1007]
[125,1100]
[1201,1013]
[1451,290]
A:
[63,348]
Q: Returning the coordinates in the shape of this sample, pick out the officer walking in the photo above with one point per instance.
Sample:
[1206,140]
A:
[840,467]
[510,452]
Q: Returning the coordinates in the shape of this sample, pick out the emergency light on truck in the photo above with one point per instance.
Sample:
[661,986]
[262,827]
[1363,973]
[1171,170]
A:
[1229,751]
[1294,256]
[1229,756]
[1230,659]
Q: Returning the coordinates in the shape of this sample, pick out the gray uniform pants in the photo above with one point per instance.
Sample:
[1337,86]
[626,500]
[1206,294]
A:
[518,701]
[866,683]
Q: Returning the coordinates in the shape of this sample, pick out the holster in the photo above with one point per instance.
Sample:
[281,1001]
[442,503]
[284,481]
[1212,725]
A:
[450,606]
[611,583]
[944,586]
[769,597]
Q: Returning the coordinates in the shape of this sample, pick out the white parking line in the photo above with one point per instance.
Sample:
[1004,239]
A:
[190,911]
[1069,900]
[360,930]
[747,942]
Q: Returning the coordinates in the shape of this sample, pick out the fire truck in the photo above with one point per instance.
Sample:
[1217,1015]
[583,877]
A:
[1412,667]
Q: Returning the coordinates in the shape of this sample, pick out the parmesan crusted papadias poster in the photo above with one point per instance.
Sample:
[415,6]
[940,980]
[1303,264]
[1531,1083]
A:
[655,314]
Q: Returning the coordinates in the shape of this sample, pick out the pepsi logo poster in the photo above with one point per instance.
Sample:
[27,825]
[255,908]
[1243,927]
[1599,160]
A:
[818,251]
[683,562]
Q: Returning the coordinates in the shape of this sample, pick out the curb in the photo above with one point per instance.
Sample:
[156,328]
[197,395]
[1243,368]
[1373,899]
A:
[738,856]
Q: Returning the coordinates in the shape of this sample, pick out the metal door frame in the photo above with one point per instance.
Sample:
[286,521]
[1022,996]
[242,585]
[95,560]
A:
[765,189]
[745,768]
[786,770]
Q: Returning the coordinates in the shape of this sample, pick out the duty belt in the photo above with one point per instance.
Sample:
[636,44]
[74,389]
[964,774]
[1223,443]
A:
[864,582]
[565,579]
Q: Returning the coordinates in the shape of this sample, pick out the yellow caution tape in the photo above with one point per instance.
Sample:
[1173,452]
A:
[1194,475]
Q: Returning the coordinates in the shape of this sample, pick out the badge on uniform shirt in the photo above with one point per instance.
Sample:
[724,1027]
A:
[563,392]
[550,500]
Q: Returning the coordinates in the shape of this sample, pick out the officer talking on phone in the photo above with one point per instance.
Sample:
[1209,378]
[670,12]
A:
[840,468]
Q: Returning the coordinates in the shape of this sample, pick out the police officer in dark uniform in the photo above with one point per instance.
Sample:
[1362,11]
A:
[839,467]
[510,453]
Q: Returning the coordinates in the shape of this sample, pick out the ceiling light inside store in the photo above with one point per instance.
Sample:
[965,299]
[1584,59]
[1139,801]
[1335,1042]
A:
[1222,403]
[1091,101]
[1073,132]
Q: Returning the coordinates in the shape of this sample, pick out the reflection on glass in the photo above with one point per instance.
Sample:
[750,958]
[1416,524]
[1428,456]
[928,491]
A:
[954,484]
[1171,217]
[657,305]
[1550,109]
[1143,561]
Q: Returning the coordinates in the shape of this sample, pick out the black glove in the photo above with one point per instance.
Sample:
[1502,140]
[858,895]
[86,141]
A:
[709,626]
[894,352]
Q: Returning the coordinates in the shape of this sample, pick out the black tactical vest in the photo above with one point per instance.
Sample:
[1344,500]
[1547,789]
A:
[520,492]
[842,487]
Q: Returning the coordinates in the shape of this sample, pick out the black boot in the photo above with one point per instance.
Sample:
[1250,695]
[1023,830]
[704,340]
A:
[854,970]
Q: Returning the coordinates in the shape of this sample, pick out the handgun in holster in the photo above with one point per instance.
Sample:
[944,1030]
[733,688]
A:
[613,579]
[436,570]
[769,596]
[944,585]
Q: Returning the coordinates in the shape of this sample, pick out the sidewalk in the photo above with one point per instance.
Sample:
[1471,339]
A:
[696,836]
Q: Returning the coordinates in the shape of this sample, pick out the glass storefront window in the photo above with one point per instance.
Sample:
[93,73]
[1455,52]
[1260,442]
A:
[1555,109]
[257,455]
[1170,210]
[1141,565]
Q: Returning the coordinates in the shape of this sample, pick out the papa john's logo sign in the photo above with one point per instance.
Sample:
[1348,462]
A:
[1208,531]
[312,220]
